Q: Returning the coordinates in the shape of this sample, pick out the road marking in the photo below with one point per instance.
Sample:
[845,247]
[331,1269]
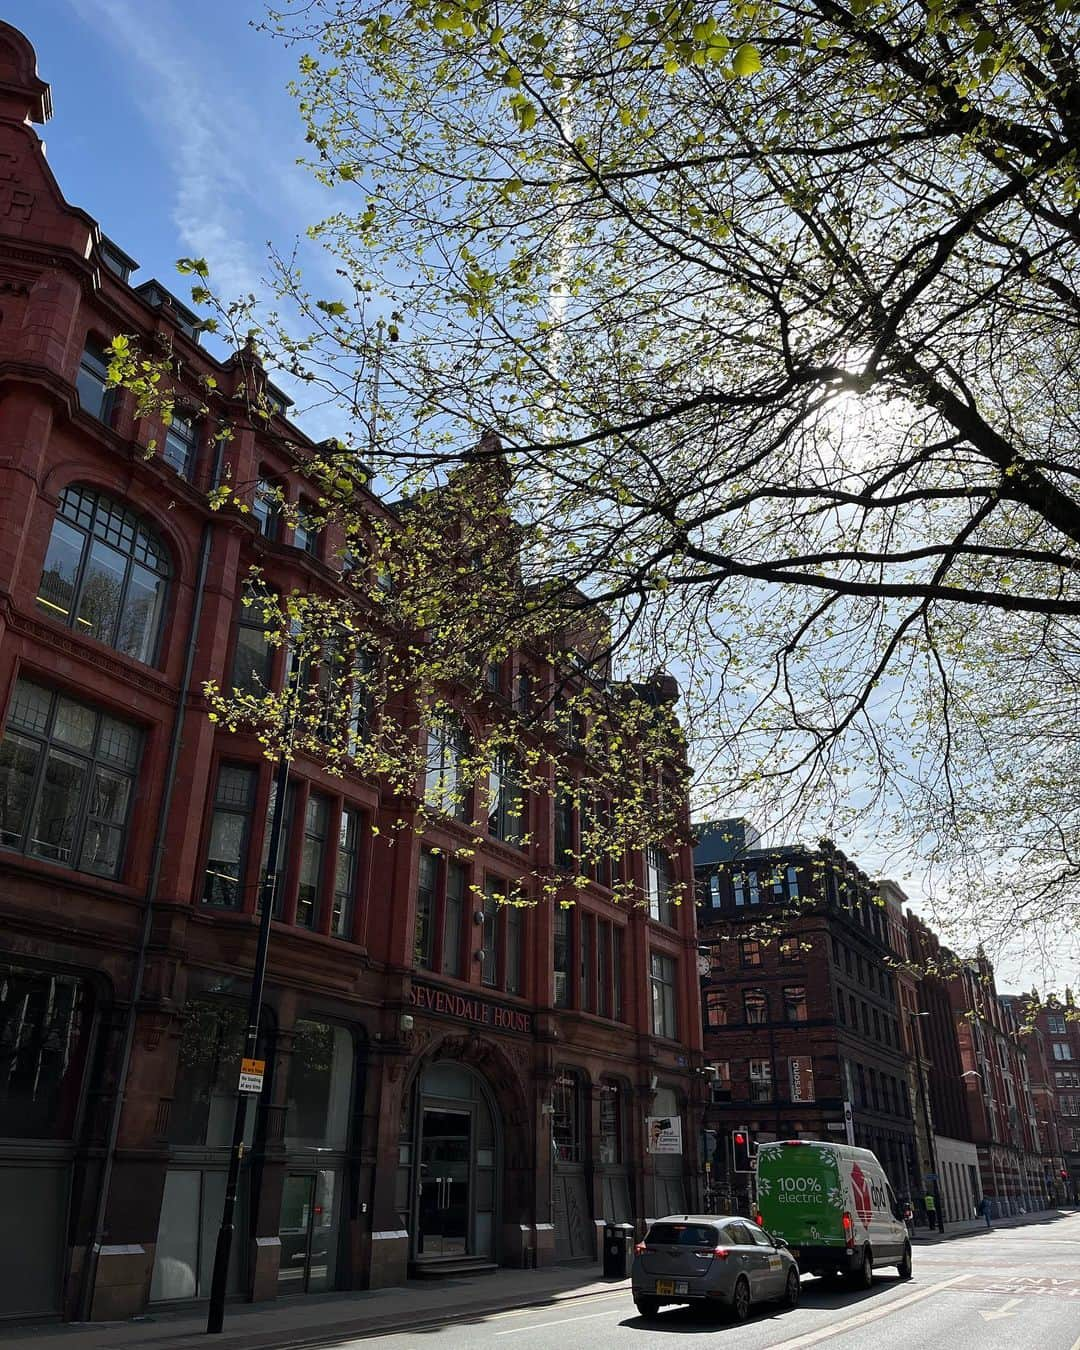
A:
[872,1315]
[531,1308]
[1006,1310]
[1076,1344]
[543,1326]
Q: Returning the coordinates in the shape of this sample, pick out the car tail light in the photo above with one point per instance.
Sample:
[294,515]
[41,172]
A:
[849,1235]
[640,1249]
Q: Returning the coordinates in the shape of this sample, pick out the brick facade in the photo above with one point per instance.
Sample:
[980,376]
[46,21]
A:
[364,1049]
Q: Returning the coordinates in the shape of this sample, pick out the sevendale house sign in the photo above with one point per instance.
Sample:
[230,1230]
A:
[479,1012]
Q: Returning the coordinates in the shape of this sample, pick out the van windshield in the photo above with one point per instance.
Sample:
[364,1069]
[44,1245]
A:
[683,1234]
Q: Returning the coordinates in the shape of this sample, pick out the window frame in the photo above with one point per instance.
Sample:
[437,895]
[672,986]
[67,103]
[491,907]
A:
[95,353]
[79,509]
[191,444]
[247,814]
[663,977]
[92,763]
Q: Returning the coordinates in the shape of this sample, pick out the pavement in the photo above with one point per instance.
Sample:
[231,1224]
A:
[325,1319]
[518,1303]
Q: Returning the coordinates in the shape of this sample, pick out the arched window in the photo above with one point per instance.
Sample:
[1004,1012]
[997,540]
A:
[106,573]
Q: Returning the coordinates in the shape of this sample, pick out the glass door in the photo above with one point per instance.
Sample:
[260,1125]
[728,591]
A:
[308,1233]
[443,1190]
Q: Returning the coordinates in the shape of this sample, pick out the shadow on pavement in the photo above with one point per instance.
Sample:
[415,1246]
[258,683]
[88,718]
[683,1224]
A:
[816,1293]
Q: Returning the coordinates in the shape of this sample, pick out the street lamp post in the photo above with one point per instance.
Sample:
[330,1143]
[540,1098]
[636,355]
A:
[216,1313]
[935,1184]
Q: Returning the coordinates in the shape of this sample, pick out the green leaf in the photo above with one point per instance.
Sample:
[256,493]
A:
[746,61]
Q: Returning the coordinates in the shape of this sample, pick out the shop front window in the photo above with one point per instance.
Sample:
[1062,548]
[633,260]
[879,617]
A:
[319,1087]
[208,1066]
[44,1042]
[611,1146]
[566,1135]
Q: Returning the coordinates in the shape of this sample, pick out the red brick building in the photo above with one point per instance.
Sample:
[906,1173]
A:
[447,1080]
[1056,1087]
[800,1005]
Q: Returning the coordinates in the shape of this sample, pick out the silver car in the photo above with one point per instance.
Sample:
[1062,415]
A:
[712,1260]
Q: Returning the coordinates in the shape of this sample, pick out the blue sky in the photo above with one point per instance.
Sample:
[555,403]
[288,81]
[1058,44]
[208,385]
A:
[172,126]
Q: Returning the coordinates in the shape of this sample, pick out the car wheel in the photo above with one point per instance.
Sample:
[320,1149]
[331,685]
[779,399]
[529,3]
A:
[905,1265]
[792,1289]
[863,1278]
[740,1300]
[647,1307]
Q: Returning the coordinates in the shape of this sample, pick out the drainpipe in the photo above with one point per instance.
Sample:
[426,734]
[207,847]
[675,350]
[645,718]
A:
[93,1249]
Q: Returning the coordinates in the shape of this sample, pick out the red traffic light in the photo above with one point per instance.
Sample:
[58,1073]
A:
[741,1139]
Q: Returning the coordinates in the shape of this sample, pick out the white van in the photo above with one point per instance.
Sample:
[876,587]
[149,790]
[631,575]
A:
[833,1206]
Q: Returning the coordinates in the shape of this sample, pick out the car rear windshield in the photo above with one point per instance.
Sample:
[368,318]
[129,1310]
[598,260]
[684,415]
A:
[683,1234]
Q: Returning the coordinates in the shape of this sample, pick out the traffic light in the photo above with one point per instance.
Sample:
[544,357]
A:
[740,1150]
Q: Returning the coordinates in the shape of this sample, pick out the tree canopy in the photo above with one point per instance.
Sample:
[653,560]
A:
[774,308]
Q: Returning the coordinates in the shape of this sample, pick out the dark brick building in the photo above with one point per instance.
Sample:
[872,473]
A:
[446,1079]
[800,1004]
[1056,1084]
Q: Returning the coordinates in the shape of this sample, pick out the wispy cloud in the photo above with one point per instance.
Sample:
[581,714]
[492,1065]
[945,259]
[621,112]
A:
[226,147]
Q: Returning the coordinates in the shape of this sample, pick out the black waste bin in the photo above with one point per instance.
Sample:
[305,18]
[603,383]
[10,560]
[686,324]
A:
[618,1250]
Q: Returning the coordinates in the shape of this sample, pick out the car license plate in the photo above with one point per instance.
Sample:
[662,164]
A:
[671,1286]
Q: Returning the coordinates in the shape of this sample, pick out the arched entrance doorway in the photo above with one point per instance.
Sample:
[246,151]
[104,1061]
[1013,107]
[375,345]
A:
[453,1154]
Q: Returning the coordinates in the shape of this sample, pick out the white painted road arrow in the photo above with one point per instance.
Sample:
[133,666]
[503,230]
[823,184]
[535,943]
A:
[1006,1310]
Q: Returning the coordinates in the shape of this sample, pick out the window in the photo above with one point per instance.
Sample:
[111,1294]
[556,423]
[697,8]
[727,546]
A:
[715,1010]
[611,1145]
[266,508]
[513,921]
[312,859]
[253,658]
[1055,1024]
[345,873]
[493,894]
[523,693]
[281,861]
[749,952]
[562,958]
[617,973]
[1062,1050]
[457,881]
[106,573]
[307,535]
[1067,1078]
[793,883]
[45,1025]
[714,891]
[361,701]
[790,950]
[658,886]
[96,396]
[662,980]
[795,1003]
[721,1084]
[761,1088]
[587,988]
[424,931]
[211,1043]
[181,445]
[603,971]
[566,1134]
[443,789]
[319,1086]
[493,677]
[854,1019]
[755,1007]
[841,1009]
[877,1025]
[67,777]
[564,829]
[506,801]
[230,828]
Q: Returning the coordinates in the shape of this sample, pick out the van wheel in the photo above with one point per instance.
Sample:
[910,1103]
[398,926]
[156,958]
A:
[863,1278]
[647,1307]
[905,1264]
[740,1300]
[792,1289]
